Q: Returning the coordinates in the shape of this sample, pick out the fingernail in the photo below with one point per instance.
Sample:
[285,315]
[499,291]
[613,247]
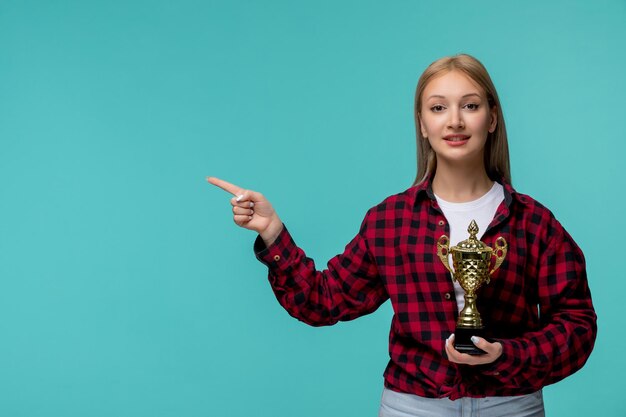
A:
[239,197]
[251,204]
[475,339]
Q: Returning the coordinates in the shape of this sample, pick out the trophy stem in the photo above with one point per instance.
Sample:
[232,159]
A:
[469,324]
[469,317]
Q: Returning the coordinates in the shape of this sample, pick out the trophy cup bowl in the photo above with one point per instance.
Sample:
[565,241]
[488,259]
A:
[472,261]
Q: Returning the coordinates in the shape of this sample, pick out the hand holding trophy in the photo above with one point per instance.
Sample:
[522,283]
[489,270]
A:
[471,259]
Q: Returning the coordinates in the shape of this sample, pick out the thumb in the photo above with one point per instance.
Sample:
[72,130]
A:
[483,344]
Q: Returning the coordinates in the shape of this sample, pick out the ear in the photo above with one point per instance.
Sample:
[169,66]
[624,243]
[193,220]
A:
[493,114]
[422,130]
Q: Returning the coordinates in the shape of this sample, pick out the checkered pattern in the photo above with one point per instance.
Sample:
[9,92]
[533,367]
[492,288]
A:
[538,303]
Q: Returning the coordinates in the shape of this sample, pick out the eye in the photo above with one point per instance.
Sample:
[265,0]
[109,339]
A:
[471,106]
[437,108]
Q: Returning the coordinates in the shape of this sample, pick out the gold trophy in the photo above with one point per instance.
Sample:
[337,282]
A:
[471,259]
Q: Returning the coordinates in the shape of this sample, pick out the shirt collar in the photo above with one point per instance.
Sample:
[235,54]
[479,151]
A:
[425,190]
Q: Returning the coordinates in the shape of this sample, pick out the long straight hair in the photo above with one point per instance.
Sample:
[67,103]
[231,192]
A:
[497,162]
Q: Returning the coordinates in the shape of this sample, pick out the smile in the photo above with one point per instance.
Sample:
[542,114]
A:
[456,138]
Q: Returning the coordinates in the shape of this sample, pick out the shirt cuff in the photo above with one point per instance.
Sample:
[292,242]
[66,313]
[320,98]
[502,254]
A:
[279,254]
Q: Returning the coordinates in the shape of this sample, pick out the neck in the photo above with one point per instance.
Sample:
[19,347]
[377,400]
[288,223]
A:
[461,183]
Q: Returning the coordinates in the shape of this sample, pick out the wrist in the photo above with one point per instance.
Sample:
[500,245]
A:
[271,232]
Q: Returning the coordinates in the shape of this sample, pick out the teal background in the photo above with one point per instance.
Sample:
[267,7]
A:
[125,288]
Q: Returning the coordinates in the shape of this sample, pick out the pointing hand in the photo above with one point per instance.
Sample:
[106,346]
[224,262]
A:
[251,210]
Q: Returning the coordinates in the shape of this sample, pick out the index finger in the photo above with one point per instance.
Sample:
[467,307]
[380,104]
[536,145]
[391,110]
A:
[226,186]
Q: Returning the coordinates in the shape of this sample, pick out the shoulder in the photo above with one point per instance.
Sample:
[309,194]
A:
[526,207]
[404,200]
[538,219]
[529,206]
[392,212]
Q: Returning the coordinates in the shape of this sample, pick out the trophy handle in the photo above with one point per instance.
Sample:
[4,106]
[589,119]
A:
[501,248]
[443,250]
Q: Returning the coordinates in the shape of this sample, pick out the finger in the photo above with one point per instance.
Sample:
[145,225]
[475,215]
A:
[242,204]
[450,350]
[225,185]
[243,211]
[243,199]
[450,344]
[481,343]
[247,196]
[241,220]
[454,355]
[490,348]
[493,352]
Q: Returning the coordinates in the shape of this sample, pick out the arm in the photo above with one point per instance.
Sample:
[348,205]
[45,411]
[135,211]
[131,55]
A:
[566,339]
[348,288]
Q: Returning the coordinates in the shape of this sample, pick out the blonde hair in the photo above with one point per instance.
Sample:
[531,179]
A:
[497,162]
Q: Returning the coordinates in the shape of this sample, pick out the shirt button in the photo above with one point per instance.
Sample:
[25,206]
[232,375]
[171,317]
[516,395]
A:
[447,296]
[441,222]
[277,258]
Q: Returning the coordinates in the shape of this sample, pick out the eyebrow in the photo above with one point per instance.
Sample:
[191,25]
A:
[466,95]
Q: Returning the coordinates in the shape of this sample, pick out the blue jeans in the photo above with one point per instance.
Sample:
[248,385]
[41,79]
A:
[396,404]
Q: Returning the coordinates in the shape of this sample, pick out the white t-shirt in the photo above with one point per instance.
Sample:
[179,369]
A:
[459,216]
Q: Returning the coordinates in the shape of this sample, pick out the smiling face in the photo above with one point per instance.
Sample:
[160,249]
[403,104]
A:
[456,118]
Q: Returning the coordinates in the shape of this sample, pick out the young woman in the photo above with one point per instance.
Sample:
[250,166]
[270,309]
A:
[538,308]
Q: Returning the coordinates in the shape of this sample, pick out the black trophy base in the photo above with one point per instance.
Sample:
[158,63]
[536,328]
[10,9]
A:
[463,340]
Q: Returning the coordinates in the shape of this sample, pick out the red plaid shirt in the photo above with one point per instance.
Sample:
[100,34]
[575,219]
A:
[538,303]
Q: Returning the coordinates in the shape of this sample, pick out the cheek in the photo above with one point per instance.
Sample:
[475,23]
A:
[428,126]
[481,123]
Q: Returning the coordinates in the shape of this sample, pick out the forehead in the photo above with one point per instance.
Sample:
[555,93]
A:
[452,84]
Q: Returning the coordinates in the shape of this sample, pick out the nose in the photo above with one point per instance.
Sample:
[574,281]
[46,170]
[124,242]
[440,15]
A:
[456,119]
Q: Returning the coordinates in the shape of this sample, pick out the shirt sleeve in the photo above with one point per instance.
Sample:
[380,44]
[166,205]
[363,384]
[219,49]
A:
[568,322]
[350,286]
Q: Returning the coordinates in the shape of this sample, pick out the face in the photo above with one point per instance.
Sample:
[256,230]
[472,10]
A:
[455,118]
